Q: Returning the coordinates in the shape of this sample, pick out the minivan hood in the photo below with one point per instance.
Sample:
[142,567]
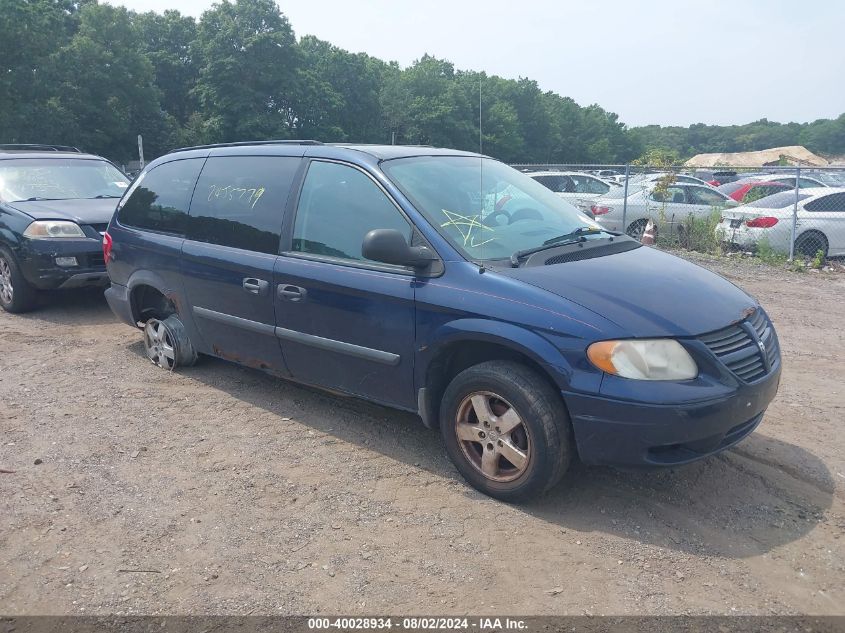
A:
[81,211]
[644,291]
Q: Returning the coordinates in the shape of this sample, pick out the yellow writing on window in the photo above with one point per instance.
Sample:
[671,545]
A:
[230,193]
[465,224]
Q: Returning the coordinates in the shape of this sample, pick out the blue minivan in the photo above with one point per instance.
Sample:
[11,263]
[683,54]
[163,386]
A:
[447,284]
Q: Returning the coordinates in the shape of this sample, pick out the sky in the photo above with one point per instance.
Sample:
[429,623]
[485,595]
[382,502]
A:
[650,61]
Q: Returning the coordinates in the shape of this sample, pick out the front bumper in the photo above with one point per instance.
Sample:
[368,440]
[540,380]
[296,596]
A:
[625,433]
[37,260]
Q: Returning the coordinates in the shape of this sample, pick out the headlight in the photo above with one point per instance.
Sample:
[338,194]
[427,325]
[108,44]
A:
[650,359]
[53,228]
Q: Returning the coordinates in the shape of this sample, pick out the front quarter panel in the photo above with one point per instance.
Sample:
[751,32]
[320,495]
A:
[12,225]
[464,305]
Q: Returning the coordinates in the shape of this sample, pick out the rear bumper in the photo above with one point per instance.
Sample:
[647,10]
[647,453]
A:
[623,433]
[118,299]
[37,260]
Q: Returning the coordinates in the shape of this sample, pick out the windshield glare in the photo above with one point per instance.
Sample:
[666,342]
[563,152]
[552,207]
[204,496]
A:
[486,209]
[59,179]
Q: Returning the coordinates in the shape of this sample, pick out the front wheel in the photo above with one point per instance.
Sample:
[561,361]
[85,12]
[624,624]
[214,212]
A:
[506,430]
[16,295]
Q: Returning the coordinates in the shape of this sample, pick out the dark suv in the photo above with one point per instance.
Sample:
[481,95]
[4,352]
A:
[447,284]
[55,205]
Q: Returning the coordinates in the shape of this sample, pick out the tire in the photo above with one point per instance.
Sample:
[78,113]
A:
[16,295]
[167,344]
[637,228]
[809,243]
[506,392]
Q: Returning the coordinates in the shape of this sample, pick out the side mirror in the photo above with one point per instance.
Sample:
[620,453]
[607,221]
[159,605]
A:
[390,247]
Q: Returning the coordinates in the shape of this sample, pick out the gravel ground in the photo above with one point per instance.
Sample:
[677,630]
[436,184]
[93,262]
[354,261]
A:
[218,489]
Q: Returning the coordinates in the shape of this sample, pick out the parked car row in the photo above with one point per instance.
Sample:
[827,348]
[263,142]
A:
[430,280]
[669,200]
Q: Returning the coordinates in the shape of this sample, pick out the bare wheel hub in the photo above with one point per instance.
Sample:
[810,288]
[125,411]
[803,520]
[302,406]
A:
[493,436]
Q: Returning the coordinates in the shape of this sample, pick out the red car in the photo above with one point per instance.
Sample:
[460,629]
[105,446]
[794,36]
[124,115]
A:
[749,191]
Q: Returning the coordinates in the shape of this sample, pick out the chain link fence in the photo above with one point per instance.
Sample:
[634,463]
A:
[776,212]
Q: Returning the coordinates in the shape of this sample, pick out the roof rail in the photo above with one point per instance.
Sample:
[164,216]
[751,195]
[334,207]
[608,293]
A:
[351,144]
[40,147]
[248,143]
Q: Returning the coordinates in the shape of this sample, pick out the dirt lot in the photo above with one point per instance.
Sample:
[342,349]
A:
[221,490]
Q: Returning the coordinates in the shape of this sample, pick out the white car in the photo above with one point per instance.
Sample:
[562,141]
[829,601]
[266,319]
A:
[804,182]
[575,187]
[666,208]
[678,179]
[820,224]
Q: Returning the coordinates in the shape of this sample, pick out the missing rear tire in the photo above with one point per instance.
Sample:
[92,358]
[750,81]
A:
[167,343]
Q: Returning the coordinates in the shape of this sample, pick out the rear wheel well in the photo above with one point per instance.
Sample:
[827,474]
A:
[150,303]
[456,357]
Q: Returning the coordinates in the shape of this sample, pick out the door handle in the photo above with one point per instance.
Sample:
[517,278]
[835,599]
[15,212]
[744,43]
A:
[255,286]
[291,293]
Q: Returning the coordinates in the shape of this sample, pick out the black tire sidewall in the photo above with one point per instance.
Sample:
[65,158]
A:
[548,427]
[804,243]
[634,227]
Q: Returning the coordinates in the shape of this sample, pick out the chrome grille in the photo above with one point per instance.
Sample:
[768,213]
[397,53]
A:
[737,346]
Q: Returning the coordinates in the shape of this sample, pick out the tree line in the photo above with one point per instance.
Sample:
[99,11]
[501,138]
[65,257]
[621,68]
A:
[94,75]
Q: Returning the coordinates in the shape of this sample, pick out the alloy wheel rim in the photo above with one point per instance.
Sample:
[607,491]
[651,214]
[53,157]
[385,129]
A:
[159,344]
[7,291]
[493,437]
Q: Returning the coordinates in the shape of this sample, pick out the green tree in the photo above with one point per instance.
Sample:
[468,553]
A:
[166,41]
[104,92]
[248,61]
[31,32]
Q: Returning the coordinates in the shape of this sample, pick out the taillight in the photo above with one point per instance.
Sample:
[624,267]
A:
[107,243]
[600,210]
[761,223]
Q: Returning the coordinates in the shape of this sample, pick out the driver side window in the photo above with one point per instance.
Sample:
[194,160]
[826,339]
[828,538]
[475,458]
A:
[338,206]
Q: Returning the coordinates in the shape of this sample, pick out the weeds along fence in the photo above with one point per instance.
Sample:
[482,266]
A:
[779,212]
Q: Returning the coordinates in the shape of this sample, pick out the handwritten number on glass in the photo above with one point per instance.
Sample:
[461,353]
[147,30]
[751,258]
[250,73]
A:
[248,196]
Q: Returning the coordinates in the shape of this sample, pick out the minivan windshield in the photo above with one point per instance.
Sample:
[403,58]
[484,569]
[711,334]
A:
[59,179]
[486,209]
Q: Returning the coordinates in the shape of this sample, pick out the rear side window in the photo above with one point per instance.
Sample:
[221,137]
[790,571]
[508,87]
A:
[558,184]
[159,201]
[834,202]
[594,185]
[705,195]
[240,200]
[672,195]
[338,206]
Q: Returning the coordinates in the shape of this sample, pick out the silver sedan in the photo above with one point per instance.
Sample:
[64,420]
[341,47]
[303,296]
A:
[666,206]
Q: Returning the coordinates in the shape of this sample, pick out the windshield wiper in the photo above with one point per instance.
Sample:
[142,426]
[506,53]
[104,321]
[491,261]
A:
[37,199]
[573,237]
[102,195]
[581,230]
